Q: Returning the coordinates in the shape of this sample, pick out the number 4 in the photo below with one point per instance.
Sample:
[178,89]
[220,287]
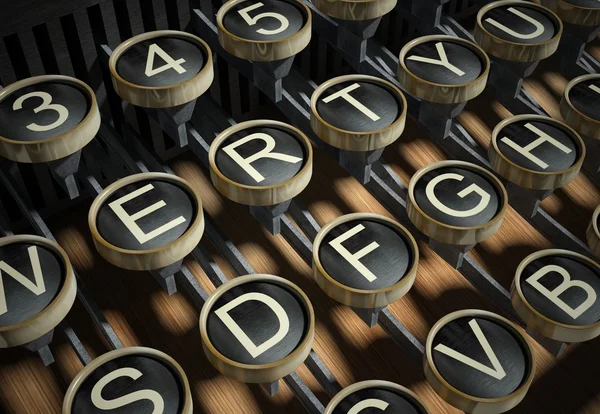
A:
[153,50]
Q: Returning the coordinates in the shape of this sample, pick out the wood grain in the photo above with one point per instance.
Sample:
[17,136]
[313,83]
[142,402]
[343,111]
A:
[142,314]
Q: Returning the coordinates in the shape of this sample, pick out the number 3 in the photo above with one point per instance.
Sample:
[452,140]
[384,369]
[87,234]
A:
[63,113]
[253,20]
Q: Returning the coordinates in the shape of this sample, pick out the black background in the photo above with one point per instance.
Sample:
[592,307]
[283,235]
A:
[131,65]
[22,303]
[586,100]
[503,16]
[458,335]
[574,296]
[13,124]
[447,190]
[458,55]
[235,24]
[398,403]
[389,262]
[556,159]
[274,171]
[157,376]
[259,322]
[178,203]
[342,114]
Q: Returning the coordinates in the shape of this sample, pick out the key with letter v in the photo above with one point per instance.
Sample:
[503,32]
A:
[497,371]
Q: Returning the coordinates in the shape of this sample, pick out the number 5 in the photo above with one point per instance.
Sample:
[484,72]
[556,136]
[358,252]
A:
[63,113]
[253,20]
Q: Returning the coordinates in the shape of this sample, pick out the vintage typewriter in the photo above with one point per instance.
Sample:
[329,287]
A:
[281,206]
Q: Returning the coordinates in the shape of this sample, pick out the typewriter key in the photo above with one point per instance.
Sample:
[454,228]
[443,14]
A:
[355,10]
[358,112]
[443,69]
[456,202]
[264,31]
[130,380]
[257,328]
[146,221]
[46,118]
[536,152]
[478,362]
[161,69]
[593,232]
[37,289]
[577,12]
[580,105]
[261,162]
[517,31]
[580,108]
[555,293]
[375,395]
[365,260]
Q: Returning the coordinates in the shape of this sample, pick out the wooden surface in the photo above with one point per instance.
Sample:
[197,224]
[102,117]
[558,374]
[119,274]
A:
[143,315]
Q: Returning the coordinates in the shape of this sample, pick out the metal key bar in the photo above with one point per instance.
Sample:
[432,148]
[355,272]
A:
[238,261]
[295,236]
[12,184]
[296,110]
[76,344]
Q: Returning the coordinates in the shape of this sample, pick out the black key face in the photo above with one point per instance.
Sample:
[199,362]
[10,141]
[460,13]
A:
[124,221]
[162,61]
[358,106]
[563,288]
[588,4]
[520,24]
[480,357]
[458,196]
[260,156]
[130,384]
[377,401]
[265,20]
[446,63]
[31,276]
[555,150]
[383,264]
[42,111]
[257,323]
[585,97]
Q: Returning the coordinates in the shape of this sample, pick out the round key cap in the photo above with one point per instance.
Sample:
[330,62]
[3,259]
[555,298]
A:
[37,288]
[358,112]
[365,260]
[264,31]
[536,152]
[130,380]
[261,162]
[46,118]
[375,395]
[456,202]
[146,221]
[443,69]
[355,10]
[161,69]
[580,105]
[478,361]
[517,31]
[593,232]
[555,292]
[578,12]
[257,328]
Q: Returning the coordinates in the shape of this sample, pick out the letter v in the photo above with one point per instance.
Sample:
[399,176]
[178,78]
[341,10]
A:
[497,372]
